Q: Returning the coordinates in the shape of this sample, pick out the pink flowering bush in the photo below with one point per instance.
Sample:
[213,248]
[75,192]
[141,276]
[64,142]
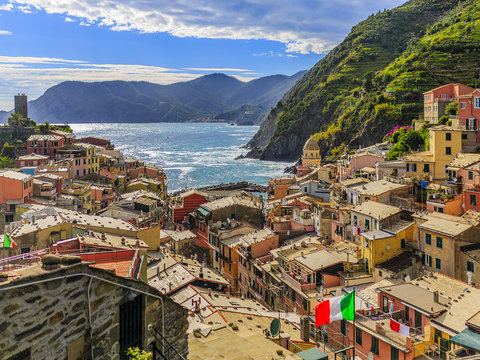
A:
[393,134]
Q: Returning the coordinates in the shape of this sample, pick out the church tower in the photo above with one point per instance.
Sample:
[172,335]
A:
[311,153]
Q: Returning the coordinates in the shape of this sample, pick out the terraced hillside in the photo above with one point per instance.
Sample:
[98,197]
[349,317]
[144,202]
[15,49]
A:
[375,78]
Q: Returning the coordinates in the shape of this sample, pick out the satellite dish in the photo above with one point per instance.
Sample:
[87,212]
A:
[370,356]
[275,327]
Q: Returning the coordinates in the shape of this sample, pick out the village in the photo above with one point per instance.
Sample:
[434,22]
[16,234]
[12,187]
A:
[98,258]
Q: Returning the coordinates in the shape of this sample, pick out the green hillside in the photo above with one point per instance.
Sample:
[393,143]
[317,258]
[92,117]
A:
[375,78]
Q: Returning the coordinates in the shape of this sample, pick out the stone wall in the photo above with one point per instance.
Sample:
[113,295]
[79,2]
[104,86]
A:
[50,320]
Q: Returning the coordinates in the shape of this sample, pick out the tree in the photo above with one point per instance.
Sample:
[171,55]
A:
[6,162]
[8,150]
[452,108]
[17,120]
[137,354]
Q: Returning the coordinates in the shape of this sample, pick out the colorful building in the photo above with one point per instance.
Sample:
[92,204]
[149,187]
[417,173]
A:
[45,145]
[311,153]
[436,100]
[32,160]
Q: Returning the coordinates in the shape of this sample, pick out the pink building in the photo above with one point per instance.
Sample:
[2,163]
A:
[78,157]
[45,145]
[364,160]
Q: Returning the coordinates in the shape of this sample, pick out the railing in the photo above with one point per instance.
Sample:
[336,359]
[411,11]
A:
[169,353]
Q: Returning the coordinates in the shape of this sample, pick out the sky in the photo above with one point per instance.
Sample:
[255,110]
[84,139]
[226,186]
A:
[45,42]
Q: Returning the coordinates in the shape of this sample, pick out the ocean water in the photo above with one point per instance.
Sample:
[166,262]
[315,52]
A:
[192,154]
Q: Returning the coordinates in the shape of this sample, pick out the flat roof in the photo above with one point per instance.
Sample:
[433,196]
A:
[15,175]
[376,188]
[376,210]
[417,297]
[377,235]
[323,258]
[445,226]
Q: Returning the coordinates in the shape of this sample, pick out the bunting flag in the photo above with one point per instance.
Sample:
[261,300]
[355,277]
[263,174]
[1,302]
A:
[403,330]
[8,243]
[335,308]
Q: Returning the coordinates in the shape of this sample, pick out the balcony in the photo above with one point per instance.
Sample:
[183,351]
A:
[297,283]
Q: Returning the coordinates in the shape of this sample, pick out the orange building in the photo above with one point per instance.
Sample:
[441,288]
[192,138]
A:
[15,186]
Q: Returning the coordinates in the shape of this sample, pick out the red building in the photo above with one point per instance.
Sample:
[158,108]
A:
[92,140]
[45,145]
[188,202]
[32,160]
[469,110]
[436,100]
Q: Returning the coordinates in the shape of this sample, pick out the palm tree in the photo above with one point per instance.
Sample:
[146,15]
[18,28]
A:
[6,162]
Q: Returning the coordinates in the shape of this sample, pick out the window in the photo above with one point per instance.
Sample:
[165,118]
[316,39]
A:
[463,105]
[439,242]
[294,296]
[412,167]
[367,224]
[464,136]
[402,243]
[358,336]
[428,239]
[385,304]
[473,199]
[305,304]
[438,263]
[470,266]
[426,168]
[477,102]
[374,347]
[343,327]
[394,353]
[470,175]
[448,136]
[407,314]
[428,260]
[448,150]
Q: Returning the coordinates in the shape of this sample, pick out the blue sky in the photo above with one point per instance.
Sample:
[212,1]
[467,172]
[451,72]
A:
[44,42]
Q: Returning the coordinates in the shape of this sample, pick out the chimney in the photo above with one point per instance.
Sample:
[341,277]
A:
[209,292]
[435,296]
[158,270]
[377,328]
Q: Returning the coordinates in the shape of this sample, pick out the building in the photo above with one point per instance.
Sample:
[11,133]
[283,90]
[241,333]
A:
[15,186]
[379,191]
[436,100]
[97,141]
[45,145]
[445,144]
[469,116]
[440,239]
[21,105]
[55,309]
[311,153]
[32,160]
[185,203]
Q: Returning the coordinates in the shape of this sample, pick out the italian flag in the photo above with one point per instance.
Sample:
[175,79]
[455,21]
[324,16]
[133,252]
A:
[8,243]
[335,308]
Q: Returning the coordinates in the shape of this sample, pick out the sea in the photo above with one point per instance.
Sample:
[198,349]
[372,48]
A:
[192,154]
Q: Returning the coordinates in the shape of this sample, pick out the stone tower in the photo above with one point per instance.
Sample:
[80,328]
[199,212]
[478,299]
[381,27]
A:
[311,153]
[21,105]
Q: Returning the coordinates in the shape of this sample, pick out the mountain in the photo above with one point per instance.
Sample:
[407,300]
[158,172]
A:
[374,79]
[120,101]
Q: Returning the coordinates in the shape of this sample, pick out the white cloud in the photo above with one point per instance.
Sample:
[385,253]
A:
[33,75]
[6,7]
[218,69]
[304,26]
[5,32]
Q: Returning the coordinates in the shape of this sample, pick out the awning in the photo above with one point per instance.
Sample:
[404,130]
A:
[312,354]
[467,338]
[203,211]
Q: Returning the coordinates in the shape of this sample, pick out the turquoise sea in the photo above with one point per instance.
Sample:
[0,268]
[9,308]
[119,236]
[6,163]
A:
[192,154]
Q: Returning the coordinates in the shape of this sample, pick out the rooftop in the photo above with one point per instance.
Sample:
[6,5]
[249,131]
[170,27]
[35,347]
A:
[463,300]
[417,297]
[462,160]
[33,157]
[444,226]
[423,156]
[15,175]
[323,258]
[179,235]
[48,137]
[376,210]
[376,188]
[257,236]
[399,263]
[230,201]
[354,181]
[111,240]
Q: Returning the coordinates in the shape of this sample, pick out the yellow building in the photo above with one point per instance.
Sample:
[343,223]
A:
[83,195]
[92,157]
[311,153]
[445,143]
[381,245]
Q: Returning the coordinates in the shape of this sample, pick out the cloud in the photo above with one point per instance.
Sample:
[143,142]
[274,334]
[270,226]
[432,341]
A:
[33,75]
[218,69]
[6,7]
[304,26]
[5,32]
